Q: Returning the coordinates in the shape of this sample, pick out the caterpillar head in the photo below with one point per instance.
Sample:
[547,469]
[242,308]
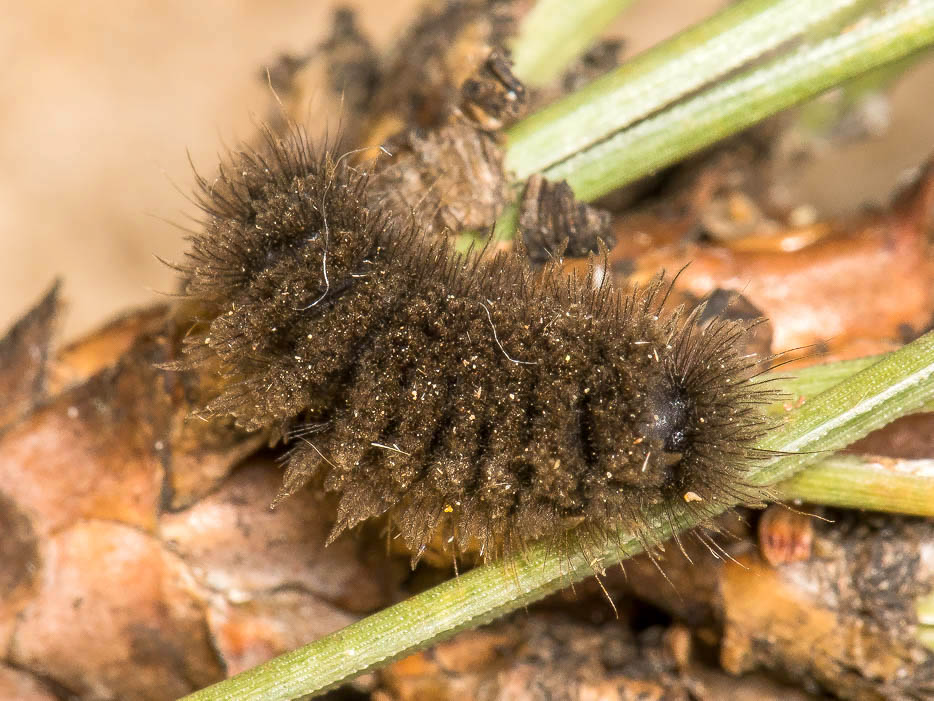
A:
[701,417]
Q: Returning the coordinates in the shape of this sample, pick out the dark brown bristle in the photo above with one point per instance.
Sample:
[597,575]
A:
[463,393]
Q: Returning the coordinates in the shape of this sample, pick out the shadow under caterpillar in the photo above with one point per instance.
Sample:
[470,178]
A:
[466,393]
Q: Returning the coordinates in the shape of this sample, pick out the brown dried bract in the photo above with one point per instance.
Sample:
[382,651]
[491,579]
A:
[447,179]
[553,223]
[451,177]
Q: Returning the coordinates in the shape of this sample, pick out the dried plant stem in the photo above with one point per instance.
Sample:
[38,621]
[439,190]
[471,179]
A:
[897,384]
[876,484]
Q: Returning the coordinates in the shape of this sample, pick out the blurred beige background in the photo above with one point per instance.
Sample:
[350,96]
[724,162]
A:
[100,103]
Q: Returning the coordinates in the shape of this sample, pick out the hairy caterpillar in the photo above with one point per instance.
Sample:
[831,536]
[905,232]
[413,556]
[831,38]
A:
[465,393]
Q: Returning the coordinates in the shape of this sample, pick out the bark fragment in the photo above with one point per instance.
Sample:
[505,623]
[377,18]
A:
[844,618]
[22,686]
[539,656]
[87,548]
[134,609]
[856,290]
